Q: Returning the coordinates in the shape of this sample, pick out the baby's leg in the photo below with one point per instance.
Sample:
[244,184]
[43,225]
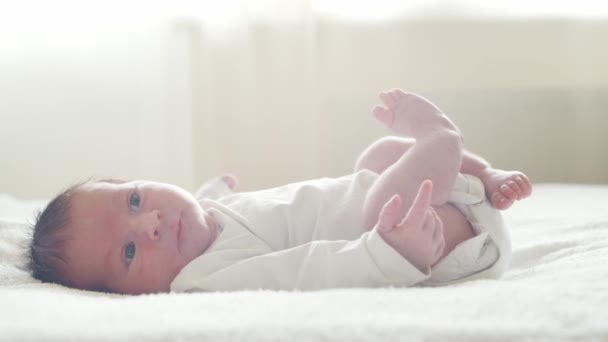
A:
[502,187]
[436,155]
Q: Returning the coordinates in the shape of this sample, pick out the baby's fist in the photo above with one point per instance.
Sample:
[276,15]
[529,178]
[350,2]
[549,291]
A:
[419,236]
[231,181]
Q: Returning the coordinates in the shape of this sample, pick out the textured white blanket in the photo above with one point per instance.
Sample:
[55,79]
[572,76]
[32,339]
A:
[556,289]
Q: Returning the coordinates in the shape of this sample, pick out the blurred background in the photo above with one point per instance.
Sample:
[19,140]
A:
[278,91]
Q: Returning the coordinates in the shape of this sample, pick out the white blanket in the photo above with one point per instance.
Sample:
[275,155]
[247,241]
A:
[556,289]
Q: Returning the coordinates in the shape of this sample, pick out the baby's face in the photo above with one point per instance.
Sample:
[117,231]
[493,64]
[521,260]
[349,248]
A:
[134,237]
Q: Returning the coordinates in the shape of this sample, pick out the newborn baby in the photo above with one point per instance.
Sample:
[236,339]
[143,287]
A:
[417,210]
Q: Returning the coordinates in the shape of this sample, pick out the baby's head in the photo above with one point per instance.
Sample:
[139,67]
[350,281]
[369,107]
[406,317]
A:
[124,237]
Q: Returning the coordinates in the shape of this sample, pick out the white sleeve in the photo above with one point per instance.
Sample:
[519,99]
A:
[366,262]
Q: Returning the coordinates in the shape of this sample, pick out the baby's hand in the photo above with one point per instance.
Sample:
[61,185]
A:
[230,180]
[419,236]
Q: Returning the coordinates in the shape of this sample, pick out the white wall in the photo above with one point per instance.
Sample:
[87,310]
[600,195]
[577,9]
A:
[530,95]
[280,102]
[92,100]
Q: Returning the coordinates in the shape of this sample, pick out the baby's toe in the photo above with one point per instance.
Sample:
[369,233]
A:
[524,185]
[516,189]
[499,201]
[508,190]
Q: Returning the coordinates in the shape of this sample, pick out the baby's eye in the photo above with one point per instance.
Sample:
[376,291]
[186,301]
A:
[134,201]
[130,252]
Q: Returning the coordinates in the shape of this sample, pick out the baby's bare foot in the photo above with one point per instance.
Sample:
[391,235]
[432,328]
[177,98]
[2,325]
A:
[411,114]
[503,188]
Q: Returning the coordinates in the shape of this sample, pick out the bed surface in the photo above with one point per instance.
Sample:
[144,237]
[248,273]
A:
[555,289]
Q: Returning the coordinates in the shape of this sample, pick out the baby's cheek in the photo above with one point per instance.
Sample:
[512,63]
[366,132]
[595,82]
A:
[153,278]
[168,262]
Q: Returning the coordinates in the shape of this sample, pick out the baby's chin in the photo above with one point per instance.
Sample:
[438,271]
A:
[197,235]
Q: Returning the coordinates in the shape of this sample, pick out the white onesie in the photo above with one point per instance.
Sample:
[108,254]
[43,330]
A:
[310,235]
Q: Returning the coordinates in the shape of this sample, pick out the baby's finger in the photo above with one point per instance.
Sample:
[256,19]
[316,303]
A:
[440,248]
[389,215]
[395,96]
[381,113]
[230,180]
[387,99]
[432,211]
[438,233]
[429,223]
[417,212]
[399,92]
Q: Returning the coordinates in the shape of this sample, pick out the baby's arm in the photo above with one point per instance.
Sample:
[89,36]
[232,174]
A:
[393,254]
[419,236]
[321,264]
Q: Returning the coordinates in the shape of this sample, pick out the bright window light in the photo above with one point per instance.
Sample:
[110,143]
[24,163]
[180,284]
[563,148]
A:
[382,9]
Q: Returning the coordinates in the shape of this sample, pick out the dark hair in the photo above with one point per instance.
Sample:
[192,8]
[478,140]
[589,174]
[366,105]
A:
[47,259]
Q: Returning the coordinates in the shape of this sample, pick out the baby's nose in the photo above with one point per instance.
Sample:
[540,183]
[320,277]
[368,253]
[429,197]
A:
[151,224]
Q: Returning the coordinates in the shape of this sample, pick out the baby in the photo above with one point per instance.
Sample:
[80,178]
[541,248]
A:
[417,210]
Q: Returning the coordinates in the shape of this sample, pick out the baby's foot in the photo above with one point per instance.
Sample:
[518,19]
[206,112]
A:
[503,188]
[411,114]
